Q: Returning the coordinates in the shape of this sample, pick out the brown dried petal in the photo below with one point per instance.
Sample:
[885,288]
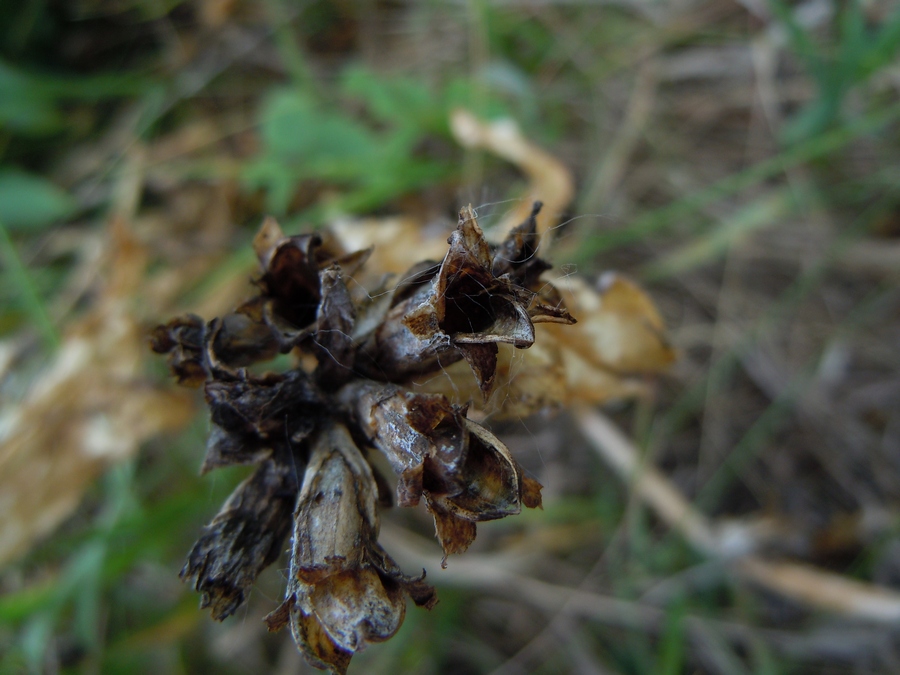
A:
[482,359]
[243,539]
[531,493]
[455,534]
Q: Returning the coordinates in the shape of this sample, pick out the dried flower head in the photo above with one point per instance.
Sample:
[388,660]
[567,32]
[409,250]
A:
[309,430]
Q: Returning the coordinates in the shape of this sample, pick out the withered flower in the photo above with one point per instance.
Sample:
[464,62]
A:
[184,340]
[299,273]
[464,472]
[462,309]
[353,356]
[253,417]
[343,590]
[198,350]
[243,539]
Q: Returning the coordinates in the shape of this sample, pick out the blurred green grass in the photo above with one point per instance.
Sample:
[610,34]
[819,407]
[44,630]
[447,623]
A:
[363,126]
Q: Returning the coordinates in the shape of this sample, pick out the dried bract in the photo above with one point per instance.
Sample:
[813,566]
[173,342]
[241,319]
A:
[245,538]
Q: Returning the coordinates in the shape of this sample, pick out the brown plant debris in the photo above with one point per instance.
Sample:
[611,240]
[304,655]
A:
[310,430]
[91,407]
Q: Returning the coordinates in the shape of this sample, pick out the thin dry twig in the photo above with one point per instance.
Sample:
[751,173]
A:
[507,575]
[802,583]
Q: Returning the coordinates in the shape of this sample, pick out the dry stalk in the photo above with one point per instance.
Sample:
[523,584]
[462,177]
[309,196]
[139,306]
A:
[802,583]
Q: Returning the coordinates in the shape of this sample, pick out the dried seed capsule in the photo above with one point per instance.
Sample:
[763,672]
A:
[344,591]
[464,472]
[201,351]
[252,417]
[183,339]
[298,283]
[462,312]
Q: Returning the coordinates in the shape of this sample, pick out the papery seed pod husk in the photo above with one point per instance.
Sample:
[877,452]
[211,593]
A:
[237,340]
[291,290]
[465,473]
[243,539]
[344,591]
[198,351]
[462,312]
[290,279]
[251,417]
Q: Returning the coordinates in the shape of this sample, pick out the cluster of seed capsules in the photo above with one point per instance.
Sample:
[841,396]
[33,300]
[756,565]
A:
[312,429]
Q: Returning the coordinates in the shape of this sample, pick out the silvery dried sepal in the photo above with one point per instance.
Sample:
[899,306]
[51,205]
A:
[343,591]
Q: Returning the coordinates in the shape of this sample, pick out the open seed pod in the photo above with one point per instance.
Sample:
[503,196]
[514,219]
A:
[459,310]
[343,591]
[464,472]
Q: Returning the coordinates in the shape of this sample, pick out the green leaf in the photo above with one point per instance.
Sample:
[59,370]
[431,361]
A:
[296,128]
[29,202]
[22,109]
[30,100]
[395,101]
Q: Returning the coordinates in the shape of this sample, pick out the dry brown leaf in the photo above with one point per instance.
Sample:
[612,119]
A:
[92,407]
